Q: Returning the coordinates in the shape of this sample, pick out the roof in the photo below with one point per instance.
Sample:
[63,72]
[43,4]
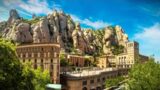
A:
[40,44]
[54,86]
[90,72]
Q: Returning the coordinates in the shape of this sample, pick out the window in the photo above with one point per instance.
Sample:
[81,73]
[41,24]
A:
[52,49]
[84,82]
[51,74]
[23,55]
[41,60]
[35,60]
[51,60]
[103,78]
[92,81]
[84,88]
[98,80]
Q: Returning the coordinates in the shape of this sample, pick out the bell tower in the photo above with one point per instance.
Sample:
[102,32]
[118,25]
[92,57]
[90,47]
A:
[133,51]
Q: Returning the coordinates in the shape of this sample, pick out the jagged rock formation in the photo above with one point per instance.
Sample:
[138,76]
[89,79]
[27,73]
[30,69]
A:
[13,16]
[114,38]
[78,38]
[71,26]
[55,28]
[41,32]
[121,36]
[22,33]
[60,28]
[107,41]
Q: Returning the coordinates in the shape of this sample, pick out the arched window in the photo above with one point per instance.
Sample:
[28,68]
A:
[84,88]
[35,60]
[41,60]
[42,49]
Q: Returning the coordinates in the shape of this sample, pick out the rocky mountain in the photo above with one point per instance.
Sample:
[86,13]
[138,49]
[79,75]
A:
[2,26]
[59,27]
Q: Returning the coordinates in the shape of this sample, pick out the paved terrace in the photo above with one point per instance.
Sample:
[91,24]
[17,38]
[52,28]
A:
[94,71]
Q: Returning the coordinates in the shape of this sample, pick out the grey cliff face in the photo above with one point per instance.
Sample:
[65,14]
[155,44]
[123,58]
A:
[44,30]
[13,16]
[37,34]
[70,26]
[41,32]
[22,33]
[19,33]
[63,25]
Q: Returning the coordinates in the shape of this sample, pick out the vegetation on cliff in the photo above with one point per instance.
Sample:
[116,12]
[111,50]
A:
[32,21]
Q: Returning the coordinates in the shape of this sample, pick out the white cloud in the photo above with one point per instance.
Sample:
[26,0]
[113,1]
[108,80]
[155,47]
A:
[36,6]
[30,6]
[27,8]
[88,22]
[149,39]
[42,7]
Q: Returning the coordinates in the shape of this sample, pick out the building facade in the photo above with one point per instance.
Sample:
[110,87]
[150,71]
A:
[45,56]
[76,60]
[128,59]
[106,61]
[90,80]
[123,60]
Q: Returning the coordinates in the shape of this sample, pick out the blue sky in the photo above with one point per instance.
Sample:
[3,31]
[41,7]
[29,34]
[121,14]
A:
[140,19]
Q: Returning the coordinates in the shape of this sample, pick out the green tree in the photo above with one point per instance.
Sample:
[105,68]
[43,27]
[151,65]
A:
[38,78]
[41,79]
[28,76]
[14,75]
[145,76]
[114,81]
[118,49]
[63,61]
[11,71]
[87,62]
